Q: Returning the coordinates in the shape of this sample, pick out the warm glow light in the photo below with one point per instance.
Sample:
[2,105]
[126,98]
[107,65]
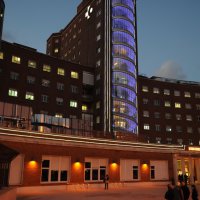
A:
[114,166]
[32,164]
[77,165]
[194,148]
[144,167]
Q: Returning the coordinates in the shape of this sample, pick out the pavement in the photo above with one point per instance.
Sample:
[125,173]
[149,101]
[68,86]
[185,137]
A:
[133,192]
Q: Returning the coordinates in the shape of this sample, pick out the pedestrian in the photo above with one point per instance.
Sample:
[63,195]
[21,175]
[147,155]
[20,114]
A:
[106,181]
[178,193]
[185,189]
[169,195]
[194,193]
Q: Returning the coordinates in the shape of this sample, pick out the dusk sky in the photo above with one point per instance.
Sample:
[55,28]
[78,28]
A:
[168,32]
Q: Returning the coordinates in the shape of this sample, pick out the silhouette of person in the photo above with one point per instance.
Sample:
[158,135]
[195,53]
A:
[106,181]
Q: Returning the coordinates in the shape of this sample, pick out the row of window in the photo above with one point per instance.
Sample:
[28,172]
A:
[168,92]
[169,116]
[168,128]
[157,102]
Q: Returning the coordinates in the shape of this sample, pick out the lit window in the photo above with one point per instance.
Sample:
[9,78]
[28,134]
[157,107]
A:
[16,59]
[98,105]
[12,93]
[188,117]
[44,98]
[167,104]
[84,108]
[197,95]
[74,74]
[178,117]
[61,71]
[189,130]
[156,90]
[98,25]
[145,89]
[32,64]
[146,127]
[177,105]
[166,92]
[145,113]
[56,50]
[168,128]
[188,106]
[59,101]
[73,104]
[97,119]
[60,86]
[29,96]
[98,37]
[190,142]
[45,83]
[1,55]
[168,116]
[158,141]
[14,76]
[98,50]
[46,68]
[187,94]
[176,93]
[98,63]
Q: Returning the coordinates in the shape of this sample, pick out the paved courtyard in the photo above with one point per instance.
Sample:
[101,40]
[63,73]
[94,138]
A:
[135,191]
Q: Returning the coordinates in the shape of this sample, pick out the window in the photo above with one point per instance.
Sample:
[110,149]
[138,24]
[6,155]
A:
[197,95]
[98,25]
[177,105]
[145,113]
[16,59]
[198,106]
[97,91]
[98,13]
[188,117]
[61,71]
[146,127]
[158,140]
[157,115]
[30,79]
[180,141]
[98,37]
[98,77]
[168,116]
[1,55]
[45,98]
[97,104]
[46,68]
[45,83]
[29,96]
[167,104]
[152,172]
[198,118]
[169,140]
[157,127]
[74,74]
[189,130]
[177,93]
[98,50]
[187,94]
[73,104]
[145,89]
[14,76]
[84,107]
[98,119]
[145,101]
[156,102]
[188,106]
[32,64]
[60,86]
[12,93]
[178,129]
[58,115]
[168,128]
[166,92]
[59,101]
[135,172]
[74,89]
[178,117]
[98,63]
[190,142]
[156,90]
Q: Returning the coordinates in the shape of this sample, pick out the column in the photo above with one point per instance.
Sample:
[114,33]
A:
[175,168]
[191,170]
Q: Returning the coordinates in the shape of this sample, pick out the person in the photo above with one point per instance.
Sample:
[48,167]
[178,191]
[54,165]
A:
[194,193]
[185,189]
[106,181]
[169,195]
[178,193]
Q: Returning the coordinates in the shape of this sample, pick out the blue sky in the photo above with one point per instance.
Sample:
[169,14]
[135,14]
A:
[168,32]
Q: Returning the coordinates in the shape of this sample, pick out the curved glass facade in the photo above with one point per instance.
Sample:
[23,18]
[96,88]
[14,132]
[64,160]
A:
[124,71]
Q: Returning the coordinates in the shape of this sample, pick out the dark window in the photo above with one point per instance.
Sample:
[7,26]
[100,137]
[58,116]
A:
[63,175]
[45,163]
[54,175]
[102,172]
[95,174]
[152,172]
[87,174]
[87,165]
[45,175]
[135,172]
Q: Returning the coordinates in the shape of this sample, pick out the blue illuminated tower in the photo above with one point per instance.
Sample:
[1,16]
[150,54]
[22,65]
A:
[120,66]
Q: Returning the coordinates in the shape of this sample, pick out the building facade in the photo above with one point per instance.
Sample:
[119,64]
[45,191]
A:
[169,111]
[103,35]
[2,8]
